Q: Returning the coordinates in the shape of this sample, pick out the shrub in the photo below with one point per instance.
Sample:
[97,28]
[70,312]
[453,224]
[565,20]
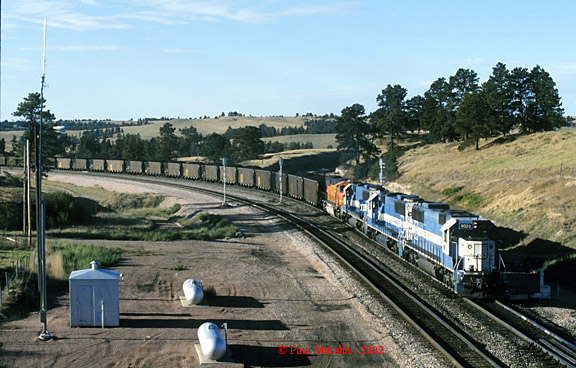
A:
[174,209]
[124,200]
[452,191]
[61,210]
[67,257]
[10,216]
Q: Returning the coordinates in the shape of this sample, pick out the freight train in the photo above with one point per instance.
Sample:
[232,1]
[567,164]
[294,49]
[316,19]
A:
[455,247]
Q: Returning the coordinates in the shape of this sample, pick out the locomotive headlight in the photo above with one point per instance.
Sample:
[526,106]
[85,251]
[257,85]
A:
[469,246]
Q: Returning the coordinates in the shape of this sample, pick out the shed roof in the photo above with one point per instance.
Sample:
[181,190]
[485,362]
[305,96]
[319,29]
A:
[94,274]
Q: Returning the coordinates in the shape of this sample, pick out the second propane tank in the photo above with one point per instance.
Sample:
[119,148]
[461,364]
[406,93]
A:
[211,342]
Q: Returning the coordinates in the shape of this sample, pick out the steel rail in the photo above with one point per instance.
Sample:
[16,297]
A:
[557,347]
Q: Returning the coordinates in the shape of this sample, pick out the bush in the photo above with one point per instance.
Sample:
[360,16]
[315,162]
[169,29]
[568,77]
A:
[61,210]
[10,216]
[123,201]
[451,191]
[175,208]
[471,199]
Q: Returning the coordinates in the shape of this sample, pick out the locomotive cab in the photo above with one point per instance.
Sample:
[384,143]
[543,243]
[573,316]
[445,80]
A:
[476,246]
[477,261]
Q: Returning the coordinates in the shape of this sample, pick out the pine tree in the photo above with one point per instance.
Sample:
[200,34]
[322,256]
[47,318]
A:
[391,117]
[472,118]
[354,135]
[544,110]
[498,93]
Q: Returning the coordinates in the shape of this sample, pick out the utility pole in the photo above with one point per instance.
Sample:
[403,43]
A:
[25,191]
[27,216]
[44,335]
[224,180]
[28,194]
[381,162]
[281,163]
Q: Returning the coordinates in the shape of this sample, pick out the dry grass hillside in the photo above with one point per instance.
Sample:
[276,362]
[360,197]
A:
[525,183]
[219,125]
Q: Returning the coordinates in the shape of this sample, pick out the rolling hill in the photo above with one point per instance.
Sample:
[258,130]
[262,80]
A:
[525,183]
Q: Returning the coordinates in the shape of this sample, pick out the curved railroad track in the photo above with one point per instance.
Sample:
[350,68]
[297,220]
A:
[537,336]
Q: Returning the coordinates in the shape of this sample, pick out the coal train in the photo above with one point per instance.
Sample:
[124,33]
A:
[455,247]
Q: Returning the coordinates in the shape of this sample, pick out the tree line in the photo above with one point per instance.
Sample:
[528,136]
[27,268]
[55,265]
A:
[455,109]
[318,126]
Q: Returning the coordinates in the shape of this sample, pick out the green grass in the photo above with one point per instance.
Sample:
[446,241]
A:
[9,257]
[65,257]
[180,267]
[203,226]
[137,217]
[452,191]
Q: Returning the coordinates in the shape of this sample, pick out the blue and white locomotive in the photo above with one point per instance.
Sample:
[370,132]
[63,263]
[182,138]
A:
[456,247]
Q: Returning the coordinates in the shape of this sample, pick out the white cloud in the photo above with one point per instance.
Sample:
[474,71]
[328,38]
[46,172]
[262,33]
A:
[61,14]
[91,48]
[179,51]
[567,70]
[16,63]
[475,61]
[87,15]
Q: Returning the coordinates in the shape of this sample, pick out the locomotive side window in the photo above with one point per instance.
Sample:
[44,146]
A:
[441,219]
[400,208]
[418,215]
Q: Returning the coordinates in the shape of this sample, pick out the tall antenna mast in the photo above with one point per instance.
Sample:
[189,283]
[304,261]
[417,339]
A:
[40,214]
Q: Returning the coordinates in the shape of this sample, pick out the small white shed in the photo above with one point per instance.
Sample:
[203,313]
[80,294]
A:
[94,297]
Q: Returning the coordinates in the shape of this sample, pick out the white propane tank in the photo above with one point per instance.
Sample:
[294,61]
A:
[193,291]
[211,342]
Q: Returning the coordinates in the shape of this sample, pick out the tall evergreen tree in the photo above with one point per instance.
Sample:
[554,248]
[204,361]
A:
[248,144]
[391,117]
[436,111]
[472,118]
[53,143]
[354,135]
[167,144]
[465,81]
[414,116]
[215,147]
[190,144]
[544,110]
[498,93]
[521,86]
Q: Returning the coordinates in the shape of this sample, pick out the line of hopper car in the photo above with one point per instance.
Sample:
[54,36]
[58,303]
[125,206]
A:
[454,246]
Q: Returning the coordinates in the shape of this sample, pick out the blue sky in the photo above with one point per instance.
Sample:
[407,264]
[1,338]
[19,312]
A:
[122,59]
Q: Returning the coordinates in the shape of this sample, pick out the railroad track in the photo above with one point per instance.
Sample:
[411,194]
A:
[458,348]
[539,337]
